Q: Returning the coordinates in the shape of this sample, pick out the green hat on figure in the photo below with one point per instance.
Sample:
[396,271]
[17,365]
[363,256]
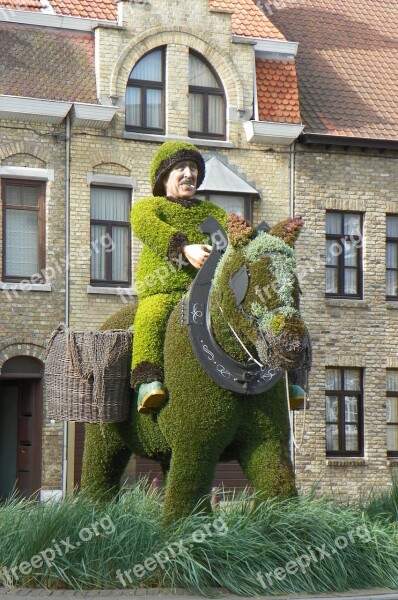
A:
[168,155]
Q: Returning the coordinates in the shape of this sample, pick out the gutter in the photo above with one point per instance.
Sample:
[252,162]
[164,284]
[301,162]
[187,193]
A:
[44,19]
[348,141]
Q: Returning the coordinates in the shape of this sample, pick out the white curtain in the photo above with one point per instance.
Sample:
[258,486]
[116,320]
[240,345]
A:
[195,112]
[154,108]
[235,204]
[392,226]
[200,74]
[149,68]
[333,379]
[350,281]
[216,114]
[331,281]
[133,106]
[333,223]
[97,252]
[22,242]
[110,205]
[120,254]
[352,224]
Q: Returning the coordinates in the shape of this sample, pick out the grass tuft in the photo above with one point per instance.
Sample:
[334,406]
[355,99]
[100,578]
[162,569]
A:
[247,547]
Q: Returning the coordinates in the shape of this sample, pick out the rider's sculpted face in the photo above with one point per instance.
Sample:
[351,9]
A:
[181,181]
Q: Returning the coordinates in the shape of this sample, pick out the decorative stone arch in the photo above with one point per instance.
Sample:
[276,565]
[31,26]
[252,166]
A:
[111,157]
[22,349]
[7,150]
[218,58]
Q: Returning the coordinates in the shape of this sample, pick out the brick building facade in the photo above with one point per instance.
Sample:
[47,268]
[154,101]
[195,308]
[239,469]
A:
[74,141]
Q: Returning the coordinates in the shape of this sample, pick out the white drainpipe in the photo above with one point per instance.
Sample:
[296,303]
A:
[67,250]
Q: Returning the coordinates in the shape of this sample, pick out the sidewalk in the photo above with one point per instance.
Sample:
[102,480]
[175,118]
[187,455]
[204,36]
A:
[183,594]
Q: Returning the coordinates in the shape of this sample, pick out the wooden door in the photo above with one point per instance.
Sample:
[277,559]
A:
[23,401]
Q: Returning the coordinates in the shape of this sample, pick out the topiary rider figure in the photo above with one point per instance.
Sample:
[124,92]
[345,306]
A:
[173,251]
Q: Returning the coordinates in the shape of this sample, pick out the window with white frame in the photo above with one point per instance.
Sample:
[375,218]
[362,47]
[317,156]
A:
[110,236]
[23,229]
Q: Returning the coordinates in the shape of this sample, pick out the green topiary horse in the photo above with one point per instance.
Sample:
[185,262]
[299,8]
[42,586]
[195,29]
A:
[203,424]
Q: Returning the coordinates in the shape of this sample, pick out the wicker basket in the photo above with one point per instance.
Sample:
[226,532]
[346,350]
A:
[87,376]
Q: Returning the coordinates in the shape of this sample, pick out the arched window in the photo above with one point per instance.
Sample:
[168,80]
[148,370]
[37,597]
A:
[206,100]
[145,94]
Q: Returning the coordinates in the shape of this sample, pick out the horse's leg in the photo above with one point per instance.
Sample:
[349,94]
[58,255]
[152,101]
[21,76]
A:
[104,460]
[189,481]
[264,451]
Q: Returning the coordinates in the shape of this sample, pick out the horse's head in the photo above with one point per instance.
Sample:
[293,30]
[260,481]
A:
[256,289]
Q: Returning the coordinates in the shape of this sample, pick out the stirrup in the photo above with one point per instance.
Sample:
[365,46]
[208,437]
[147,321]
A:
[151,397]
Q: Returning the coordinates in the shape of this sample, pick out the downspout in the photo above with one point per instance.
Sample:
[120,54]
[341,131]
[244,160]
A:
[67,250]
[292,176]
[291,203]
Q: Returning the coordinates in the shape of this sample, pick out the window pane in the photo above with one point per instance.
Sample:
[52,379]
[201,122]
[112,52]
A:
[392,438]
[154,108]
[392,410]
[352,380]
[392,226]
[350,281]
[333,223]
[22,242]
[235,204]
[333,379]
[333,250]
[195,112]
[350,253]
[149,68]
[351,438]
[332,408]
[30,196]
[332,437]
[351,409]
[110,204]
[352,224]
[391,255]
[200,74]
[216,115]
[98,252]
[133,106]
[331,281]
[14,195]
[392,381]
[392,283]
[120,254]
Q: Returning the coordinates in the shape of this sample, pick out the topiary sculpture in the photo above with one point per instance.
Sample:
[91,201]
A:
[202,423]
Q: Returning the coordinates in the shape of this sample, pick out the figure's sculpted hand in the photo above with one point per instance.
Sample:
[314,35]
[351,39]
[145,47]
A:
[197,254]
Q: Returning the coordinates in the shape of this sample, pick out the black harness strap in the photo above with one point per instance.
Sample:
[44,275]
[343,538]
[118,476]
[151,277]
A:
[225,371]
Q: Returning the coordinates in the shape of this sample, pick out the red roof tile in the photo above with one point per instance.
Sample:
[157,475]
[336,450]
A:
[98,9]
[55,65]
[32,5]
[277,91]
[347,64]
[247,19]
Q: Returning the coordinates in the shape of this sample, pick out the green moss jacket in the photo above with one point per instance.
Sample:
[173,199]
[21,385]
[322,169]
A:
[165,226]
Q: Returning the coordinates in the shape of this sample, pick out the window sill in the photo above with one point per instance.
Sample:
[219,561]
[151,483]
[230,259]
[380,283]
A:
[149,137]
[347,303]
[26,286]
[111,291]
[392,304]
[342,461]
[392,461]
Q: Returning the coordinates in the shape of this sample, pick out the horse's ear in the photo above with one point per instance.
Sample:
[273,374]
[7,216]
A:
[239,230]
[288,230]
